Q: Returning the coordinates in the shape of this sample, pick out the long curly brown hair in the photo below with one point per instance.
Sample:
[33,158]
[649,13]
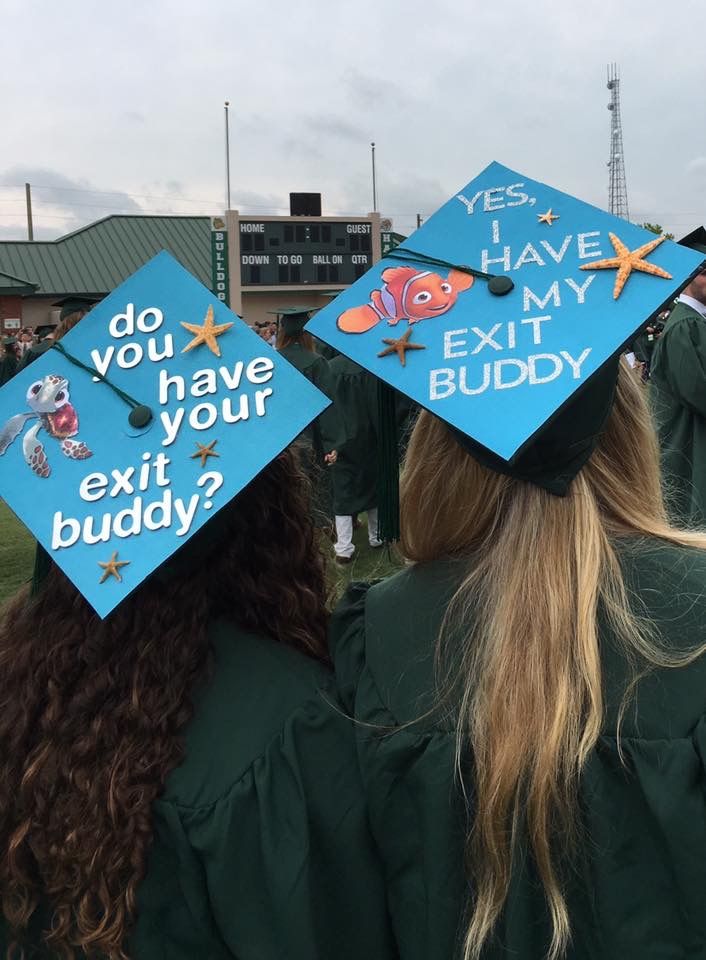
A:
[92,713]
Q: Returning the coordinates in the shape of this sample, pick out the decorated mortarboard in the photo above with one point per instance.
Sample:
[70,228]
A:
[696,240]
[122,441]
[507,302]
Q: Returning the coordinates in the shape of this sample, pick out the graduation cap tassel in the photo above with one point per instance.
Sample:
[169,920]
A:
[388,465]
[140,415]
[499,286]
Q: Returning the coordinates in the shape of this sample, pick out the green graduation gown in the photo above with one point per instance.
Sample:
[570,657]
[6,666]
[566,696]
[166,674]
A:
[636,890]
[678,398]
[35,352]
[261,847]
[8,368]
[355,472]
[327,432]
[324,434]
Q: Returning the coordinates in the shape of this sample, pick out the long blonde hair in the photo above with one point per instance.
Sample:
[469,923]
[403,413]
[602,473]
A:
[520,640]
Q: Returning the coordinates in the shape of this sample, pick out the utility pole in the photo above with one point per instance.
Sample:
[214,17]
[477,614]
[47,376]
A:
[375,194]
[28,197]
[617,185]
[227,104]
[419,220]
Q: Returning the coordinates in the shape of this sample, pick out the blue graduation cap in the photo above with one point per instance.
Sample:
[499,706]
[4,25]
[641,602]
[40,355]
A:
[505,304]
[125,438]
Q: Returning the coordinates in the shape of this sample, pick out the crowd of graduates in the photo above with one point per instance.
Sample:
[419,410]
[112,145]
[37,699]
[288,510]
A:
[18,352]
[340,448]
[498,752]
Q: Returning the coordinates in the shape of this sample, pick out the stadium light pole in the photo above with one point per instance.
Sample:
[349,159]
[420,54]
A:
[226,106]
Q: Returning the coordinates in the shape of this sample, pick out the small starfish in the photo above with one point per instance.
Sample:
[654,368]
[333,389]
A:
[112,568]
[547,217]
[205,451]
[206,333]
[628,260]
[400,346]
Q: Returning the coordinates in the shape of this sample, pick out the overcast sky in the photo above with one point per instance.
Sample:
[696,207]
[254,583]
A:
[118,107]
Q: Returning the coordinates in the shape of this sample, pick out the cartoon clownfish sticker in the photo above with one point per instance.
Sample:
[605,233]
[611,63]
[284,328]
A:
[406,294]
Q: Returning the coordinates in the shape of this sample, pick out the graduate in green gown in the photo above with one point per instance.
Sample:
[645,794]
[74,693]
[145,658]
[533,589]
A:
[678,396]
[178,779]
[578,816]
[530,689]
[355,473]
[73,309]
[8,360]
[319,444]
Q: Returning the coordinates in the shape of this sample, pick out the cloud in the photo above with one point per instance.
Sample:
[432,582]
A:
[61,204]
[441,91]
[52,187]
[400,198]
[17,230]
[696,167]
[265,204]
[368,91]
[320,139]
[330,125]
[304,148]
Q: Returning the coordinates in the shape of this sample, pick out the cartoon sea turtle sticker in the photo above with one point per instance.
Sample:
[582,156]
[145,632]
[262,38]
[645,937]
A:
[48,399]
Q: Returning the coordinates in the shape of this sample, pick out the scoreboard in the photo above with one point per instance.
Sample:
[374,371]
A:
[301,252]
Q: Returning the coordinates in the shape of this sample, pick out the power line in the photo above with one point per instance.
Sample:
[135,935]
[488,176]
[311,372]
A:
[111,193]
[172,197]
[76,203]
[139,196]
[175,198]
[651,216]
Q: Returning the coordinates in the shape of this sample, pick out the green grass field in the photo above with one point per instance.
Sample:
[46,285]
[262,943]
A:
[17,558]
[16,553]
[367,564]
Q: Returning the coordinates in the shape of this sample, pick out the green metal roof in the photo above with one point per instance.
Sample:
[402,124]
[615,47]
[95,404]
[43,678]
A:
[96,258]
[15,285]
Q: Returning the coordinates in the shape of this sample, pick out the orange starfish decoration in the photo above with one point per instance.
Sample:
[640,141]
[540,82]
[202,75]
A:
[400,346]
[206,333]
[628,260]
[204,452]
[547,217]
[112,568]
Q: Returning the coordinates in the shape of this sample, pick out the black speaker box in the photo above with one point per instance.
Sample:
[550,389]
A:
[305,204]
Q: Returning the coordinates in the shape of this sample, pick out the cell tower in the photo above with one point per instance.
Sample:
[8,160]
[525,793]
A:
[617,187]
